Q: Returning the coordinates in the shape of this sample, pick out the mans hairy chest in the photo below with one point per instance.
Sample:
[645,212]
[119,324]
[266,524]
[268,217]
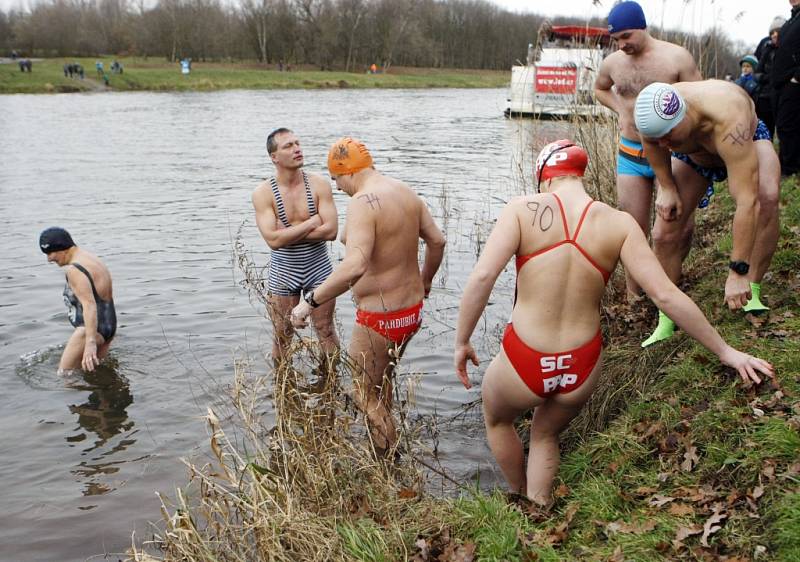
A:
[630,79]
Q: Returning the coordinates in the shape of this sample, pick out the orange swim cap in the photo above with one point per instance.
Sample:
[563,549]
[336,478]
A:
[348,156]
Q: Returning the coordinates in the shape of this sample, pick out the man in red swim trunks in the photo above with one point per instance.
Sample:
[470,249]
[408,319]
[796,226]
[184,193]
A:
[385,221]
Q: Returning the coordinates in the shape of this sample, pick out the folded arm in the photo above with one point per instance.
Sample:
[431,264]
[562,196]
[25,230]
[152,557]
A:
[274,235]
[326,209]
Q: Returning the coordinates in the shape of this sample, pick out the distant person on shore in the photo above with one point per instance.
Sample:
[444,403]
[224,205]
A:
[385,221]
[785,80]
[296,216]
[617,86]
[765,53]
[566,247]
[695,134]
[98,66]
[373,69]
[747,79]
[89,298]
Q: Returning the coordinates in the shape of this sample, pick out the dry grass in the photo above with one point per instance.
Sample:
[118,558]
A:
[292,490]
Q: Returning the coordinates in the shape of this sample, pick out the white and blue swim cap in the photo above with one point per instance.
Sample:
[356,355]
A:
[659,109]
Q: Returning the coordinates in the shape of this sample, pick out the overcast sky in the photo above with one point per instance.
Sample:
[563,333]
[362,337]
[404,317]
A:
[745,20]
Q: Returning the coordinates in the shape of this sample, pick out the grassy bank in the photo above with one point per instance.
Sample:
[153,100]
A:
[690,465]
[139,74]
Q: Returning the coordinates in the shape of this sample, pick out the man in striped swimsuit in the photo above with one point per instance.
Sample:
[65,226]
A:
[296,216]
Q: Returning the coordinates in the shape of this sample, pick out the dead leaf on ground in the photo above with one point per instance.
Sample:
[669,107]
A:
[646,429]
[658,500]
[407,493]
[792,470]
[713,524]
[642,491]
[424,551]
[670,443]
[681,509]
[458,553]
[562,491]
[617,555]
[756,321]
[768,471]
[630,528]
[684,533]
[690,459]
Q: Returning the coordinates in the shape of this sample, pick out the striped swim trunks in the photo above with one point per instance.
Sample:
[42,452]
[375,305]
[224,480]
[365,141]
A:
[300,267]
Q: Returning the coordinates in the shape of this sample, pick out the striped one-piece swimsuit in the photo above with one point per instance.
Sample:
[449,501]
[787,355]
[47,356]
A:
[301,266]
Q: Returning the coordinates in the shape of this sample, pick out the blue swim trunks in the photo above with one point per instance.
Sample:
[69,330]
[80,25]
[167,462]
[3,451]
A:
[631,160]
[717,174]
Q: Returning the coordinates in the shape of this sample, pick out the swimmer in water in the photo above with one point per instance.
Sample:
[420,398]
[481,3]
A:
[385,221]
[89,298]
[566,247]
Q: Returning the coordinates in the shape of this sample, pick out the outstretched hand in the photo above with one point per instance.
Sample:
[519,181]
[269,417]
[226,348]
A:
[746,365]
[462,353]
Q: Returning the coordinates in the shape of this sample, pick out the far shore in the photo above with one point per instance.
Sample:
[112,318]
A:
[141,74]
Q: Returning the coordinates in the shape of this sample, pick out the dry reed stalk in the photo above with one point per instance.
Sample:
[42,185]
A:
[286,492]
[297,489]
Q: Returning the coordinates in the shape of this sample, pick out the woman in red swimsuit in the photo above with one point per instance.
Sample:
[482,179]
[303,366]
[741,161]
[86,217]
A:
[566,246]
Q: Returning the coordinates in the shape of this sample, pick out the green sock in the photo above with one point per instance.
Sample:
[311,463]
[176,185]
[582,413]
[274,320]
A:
[755,304]
[664,330]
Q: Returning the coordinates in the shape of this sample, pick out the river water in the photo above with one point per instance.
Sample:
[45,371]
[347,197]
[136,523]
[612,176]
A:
[157,185]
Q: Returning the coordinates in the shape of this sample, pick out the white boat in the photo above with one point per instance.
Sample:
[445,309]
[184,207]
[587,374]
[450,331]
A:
[559,82]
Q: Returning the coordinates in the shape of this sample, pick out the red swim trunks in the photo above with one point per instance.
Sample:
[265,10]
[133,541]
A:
[396,326]
[551,373]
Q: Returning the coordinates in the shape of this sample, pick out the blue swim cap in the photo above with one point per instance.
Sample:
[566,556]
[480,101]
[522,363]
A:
[659,109]
[626,15]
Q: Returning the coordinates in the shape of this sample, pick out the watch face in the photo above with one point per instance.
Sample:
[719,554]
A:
[740,267]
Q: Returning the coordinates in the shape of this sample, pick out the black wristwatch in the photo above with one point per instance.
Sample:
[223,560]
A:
[314,304]
[740,267]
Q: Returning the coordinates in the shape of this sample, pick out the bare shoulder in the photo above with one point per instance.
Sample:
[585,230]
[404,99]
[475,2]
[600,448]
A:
[319,183]
[262,195]
[613,220]
[532,203]
[612,61]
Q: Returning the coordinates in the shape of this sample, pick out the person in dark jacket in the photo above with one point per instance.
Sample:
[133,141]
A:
[765,53]
[785,79]
[747,79]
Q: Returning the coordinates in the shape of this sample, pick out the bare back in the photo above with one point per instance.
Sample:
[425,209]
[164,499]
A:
[392,280]
[726,118]
[559,290]
[664,62]
[99,272]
